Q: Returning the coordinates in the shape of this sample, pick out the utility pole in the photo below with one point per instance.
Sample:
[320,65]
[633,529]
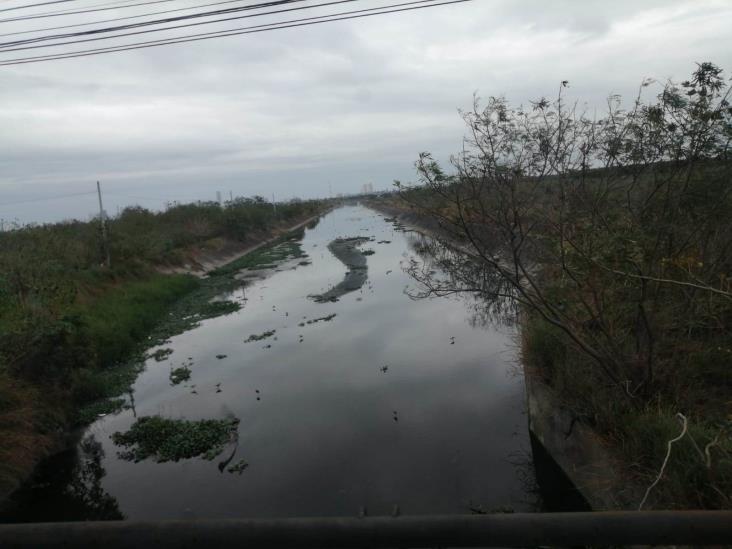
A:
[274,205]
[105,244]
[231,197]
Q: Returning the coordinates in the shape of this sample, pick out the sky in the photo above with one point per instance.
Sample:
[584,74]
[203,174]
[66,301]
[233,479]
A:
[326,108]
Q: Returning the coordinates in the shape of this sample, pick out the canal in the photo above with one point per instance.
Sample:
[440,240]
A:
[343,394]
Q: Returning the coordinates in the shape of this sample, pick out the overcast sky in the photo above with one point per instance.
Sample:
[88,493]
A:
[292,112]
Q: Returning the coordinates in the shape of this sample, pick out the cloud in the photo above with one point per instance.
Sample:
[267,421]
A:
[293,111]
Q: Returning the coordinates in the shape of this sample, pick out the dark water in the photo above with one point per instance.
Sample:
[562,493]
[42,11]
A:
[440,431]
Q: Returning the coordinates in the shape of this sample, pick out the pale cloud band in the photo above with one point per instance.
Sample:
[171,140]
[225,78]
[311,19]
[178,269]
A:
[293,112]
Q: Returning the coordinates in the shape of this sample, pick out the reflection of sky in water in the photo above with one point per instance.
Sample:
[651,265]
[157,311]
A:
[323,439]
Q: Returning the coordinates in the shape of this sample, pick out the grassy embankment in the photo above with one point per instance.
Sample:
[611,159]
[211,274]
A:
[691,342]
[69,326]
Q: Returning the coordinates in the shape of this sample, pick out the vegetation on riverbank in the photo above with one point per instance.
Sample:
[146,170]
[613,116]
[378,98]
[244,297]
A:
[613,237]
[69,325]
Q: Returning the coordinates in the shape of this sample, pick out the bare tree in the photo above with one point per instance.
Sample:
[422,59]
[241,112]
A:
[614,230]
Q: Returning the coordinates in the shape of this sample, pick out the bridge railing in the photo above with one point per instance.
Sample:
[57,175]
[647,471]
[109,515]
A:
[498,530]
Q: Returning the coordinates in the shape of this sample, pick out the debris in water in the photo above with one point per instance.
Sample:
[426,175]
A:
[260,337]
[385,368]
[238,467]
[179,375]
[321,319]
[221,357]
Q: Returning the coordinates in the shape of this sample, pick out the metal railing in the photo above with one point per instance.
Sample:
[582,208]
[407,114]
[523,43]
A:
[504,530]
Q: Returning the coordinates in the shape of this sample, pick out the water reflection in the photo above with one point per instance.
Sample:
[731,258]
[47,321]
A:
[441,269]
[68,487]
[91,501]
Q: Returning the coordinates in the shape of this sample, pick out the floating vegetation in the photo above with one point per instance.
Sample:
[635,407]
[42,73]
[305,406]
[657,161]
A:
[238,467]
[179,375]
[267,257]
[260,337]
[218,308]
[164,439]
[161,354]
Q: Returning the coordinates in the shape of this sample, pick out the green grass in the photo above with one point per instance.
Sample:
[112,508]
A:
[123,317]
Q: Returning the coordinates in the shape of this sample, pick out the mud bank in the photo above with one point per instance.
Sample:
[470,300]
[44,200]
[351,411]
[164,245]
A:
[347,252]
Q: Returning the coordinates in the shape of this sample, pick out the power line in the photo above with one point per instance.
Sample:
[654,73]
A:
[31,200]
[6,46]
[59,14]
[356,14]
[36,5]
[120,18]
[66,10]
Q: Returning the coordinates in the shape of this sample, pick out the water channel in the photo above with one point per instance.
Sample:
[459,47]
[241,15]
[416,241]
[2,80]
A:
[393,401]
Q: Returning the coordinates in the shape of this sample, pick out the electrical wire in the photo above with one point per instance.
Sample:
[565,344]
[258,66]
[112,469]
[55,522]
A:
[357,14]
[59,14]
[7,46]
[119,18]
[36,5]
[332,2]
[31,200]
